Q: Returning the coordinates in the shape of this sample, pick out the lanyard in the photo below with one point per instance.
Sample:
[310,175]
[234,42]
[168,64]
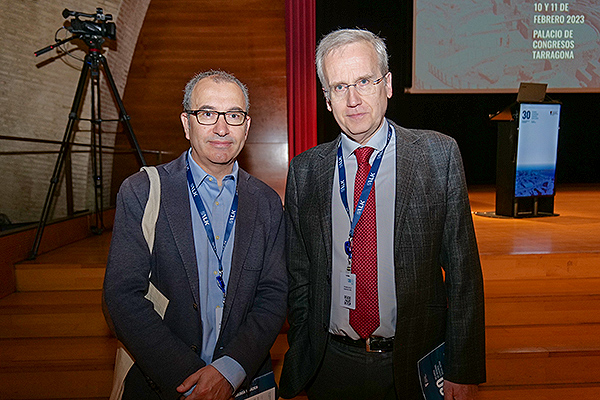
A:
[364,195]
[208,226]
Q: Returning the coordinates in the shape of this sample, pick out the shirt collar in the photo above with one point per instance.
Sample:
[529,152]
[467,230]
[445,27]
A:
[200,175]
[377,141]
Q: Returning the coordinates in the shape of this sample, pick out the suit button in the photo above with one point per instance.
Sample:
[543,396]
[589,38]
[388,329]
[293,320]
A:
[195,306]
[194,348]
[325,328]
[151,383]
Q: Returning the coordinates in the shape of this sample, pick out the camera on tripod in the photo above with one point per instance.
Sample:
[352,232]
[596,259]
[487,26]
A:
[97,27]
[93,30]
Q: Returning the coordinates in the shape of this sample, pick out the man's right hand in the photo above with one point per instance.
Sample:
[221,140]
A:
[209,385]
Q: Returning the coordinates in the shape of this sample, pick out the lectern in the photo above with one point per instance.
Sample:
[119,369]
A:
[526,155]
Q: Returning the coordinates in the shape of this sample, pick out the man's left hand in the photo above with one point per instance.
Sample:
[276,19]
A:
[456,391]
[210,385]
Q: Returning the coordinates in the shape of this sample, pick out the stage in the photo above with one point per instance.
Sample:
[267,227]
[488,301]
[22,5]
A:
[575,230]
[542,291]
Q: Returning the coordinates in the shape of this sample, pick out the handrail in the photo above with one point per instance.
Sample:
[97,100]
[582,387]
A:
[115,150]
[82,148]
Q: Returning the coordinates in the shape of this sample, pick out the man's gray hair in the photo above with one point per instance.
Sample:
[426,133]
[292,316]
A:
[343,37]
[217,76]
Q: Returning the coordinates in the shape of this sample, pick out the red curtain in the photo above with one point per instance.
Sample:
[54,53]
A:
[300,22]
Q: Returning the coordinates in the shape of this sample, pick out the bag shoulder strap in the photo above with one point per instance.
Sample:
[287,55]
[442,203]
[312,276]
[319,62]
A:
[152,207]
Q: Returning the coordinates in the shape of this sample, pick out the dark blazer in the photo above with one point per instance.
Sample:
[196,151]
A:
[433,230]
[167,352]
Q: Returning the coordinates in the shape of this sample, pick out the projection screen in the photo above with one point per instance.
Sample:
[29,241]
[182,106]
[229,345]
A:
[490,46]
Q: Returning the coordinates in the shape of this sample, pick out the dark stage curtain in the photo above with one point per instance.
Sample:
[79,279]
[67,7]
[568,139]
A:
[301,76]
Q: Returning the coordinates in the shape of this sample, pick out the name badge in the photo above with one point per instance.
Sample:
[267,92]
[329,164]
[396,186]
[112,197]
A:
[219,318]
[348,290]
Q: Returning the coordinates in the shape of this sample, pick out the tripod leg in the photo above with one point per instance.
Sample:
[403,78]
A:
[96,150]
[65,148]
[124,116]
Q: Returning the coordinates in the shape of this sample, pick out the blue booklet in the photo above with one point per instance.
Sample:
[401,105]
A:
[261,388]
[431,374]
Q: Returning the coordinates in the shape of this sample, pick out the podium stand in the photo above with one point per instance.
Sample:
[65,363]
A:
[526,159]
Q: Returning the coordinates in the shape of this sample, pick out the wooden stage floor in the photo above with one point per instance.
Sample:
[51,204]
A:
[575,230]
[542,288]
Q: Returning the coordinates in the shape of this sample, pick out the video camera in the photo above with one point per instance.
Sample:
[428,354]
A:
[92,32]
[95,28]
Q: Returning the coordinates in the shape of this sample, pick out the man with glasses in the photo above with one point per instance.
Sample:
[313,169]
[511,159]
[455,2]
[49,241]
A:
[381,252]
[218,257]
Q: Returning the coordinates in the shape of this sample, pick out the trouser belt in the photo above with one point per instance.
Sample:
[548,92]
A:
[372,344]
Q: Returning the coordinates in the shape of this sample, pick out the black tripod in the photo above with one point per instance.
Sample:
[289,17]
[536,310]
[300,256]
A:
[91,66]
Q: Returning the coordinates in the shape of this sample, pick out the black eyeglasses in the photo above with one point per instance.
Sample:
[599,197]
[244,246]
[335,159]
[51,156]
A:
[210,117]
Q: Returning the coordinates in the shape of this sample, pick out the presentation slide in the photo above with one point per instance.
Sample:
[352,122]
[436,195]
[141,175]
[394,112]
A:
[490,46]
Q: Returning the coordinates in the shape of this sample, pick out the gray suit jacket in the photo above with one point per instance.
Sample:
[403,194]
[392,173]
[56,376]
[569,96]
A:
[433,231]
[168,351]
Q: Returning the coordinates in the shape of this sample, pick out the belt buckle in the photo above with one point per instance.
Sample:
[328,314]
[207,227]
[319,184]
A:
[369,349]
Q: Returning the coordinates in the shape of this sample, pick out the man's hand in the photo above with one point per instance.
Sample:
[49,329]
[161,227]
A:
[457,391]
[210,385]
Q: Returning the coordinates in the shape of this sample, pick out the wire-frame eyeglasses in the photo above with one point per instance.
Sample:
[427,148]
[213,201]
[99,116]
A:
[364,86]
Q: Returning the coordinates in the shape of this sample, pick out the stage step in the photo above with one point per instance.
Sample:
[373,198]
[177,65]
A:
[508,288]
[543,310]
[59,277]
[543,355]
[544,368]
[547,301]
[542,392]
[57,368]
[542,332]
[77,266]
[540,266]
[52,314]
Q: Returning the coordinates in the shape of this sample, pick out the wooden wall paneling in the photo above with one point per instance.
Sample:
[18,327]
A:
[181,38]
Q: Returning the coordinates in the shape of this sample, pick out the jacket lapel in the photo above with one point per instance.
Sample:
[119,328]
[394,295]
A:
[245,220]
[406,162]
[177,209]
[325,165]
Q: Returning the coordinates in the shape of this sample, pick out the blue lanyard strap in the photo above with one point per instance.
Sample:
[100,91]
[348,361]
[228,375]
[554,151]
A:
[364,195]
[208,226]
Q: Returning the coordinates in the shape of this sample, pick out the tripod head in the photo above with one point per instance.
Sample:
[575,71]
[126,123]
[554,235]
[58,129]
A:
[93,31]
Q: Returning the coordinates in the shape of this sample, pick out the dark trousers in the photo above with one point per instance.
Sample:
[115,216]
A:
[352,373]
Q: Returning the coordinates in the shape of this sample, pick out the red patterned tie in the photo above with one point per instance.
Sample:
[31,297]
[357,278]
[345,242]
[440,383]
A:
[365,318]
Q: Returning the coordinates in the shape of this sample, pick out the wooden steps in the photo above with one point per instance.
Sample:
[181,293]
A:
[540,266]
[542,288]
[78,266]
[54,341]
[542,392]
[67,369]
[59,368]
[542,326]
[52,314]
[59,277]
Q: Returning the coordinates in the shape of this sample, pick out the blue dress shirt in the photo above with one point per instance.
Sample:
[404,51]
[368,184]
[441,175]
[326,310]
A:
[217,202]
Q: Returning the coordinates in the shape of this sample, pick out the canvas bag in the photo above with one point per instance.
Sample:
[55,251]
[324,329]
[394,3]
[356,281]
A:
[124,360]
